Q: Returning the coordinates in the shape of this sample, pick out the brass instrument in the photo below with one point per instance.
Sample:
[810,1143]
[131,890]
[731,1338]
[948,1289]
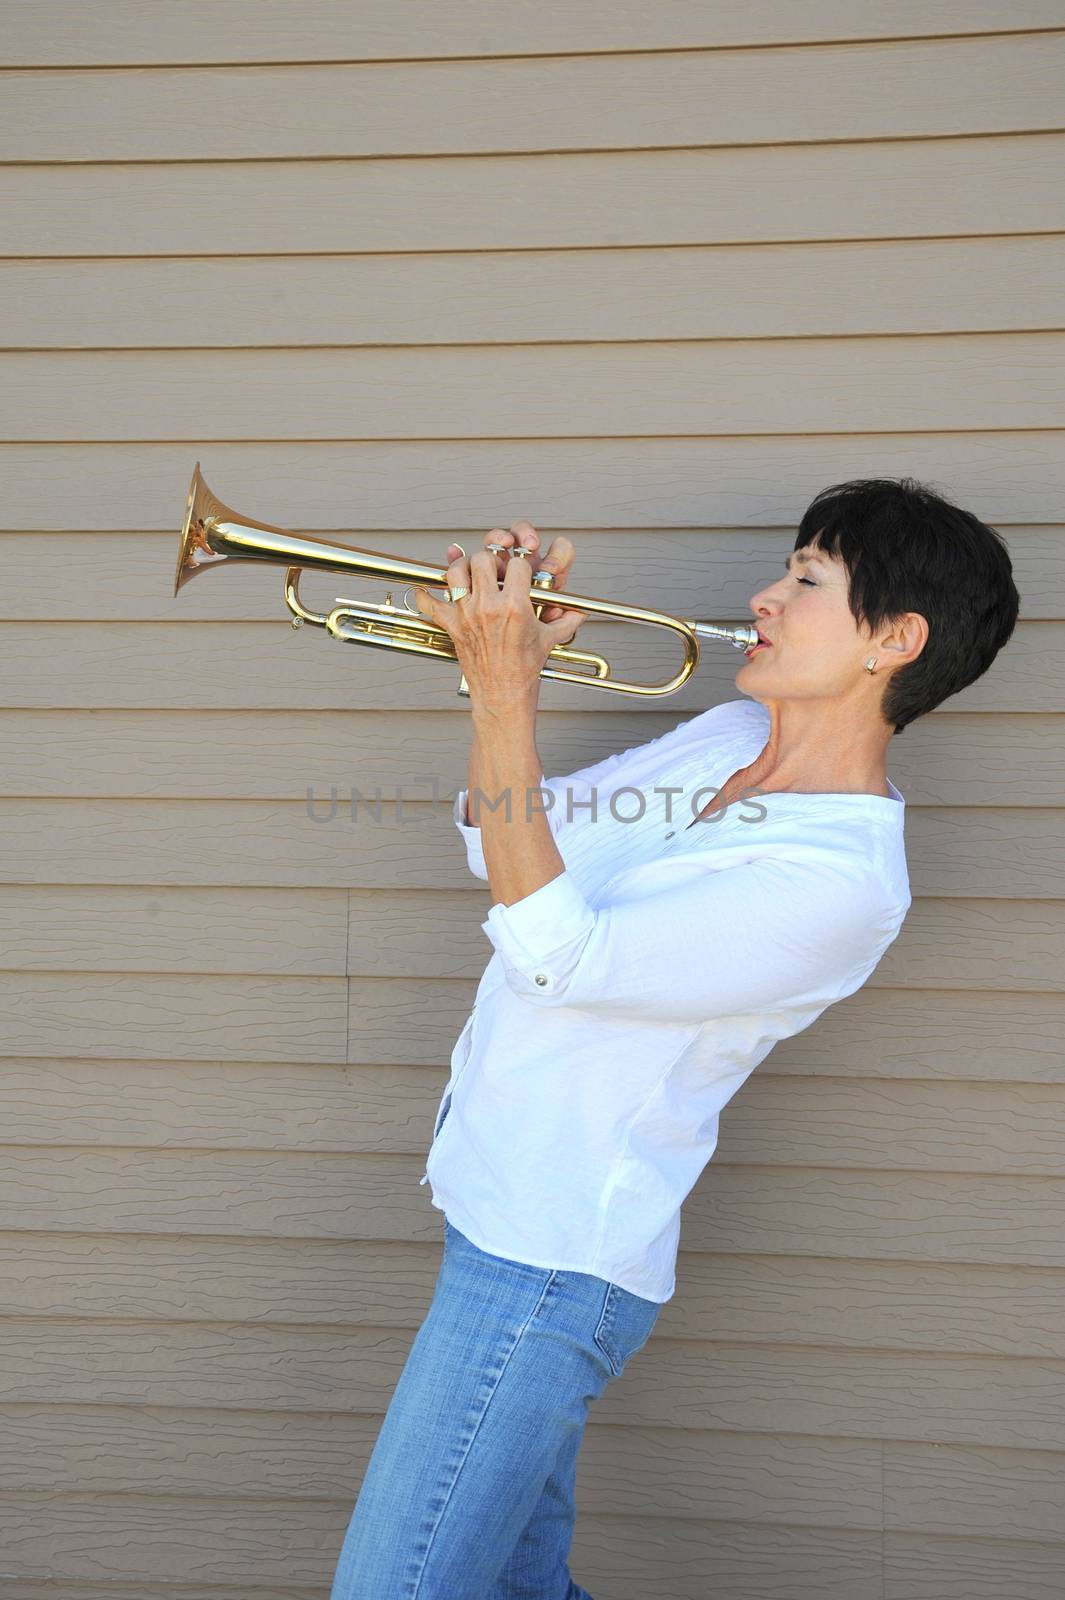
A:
[213,533]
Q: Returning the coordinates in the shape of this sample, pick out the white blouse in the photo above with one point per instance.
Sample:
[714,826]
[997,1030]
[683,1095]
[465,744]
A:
[628,999]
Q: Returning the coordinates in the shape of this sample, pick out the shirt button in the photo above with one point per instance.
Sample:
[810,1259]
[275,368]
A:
[671,832]
[541,978]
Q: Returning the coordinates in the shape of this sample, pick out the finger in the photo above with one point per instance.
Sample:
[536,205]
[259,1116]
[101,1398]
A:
[559,554]
[557,561]
[525,534]
[484,573]
[431,608]
[456,573]
[504,537]
[565,630]
[517,579]
[527,537]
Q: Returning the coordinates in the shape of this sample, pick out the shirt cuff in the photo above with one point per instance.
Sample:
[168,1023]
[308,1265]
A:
[540,936]
[471,834]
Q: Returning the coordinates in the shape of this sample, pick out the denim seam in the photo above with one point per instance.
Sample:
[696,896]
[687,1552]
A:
[605,1327]
[521,1332]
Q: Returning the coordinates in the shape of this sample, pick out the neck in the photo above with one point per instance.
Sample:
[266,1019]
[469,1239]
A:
[812,747]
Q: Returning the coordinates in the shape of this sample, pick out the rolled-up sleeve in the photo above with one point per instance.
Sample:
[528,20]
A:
[764,934]
[471,837]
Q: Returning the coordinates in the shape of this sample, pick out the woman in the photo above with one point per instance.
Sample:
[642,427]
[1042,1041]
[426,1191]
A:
[643,965]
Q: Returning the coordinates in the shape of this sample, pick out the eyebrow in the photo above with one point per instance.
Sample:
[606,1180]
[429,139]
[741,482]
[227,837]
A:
[800,555]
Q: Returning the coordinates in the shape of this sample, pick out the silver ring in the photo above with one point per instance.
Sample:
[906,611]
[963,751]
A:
[457,594]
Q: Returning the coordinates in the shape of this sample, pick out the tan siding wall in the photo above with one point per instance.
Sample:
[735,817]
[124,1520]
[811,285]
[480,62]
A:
[652,276]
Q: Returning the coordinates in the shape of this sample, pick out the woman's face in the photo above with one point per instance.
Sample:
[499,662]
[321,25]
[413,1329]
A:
[816,647]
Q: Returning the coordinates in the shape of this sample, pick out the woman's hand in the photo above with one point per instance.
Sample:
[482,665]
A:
[500,642]
[558,560]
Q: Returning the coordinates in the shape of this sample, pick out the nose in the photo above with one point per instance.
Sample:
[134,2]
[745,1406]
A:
[765,600]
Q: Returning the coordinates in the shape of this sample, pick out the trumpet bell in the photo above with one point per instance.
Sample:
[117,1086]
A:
[194,550]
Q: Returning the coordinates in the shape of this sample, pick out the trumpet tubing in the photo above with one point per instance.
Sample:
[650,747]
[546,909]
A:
[213,534]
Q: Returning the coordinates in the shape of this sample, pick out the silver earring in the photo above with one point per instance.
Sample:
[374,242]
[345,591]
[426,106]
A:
[870,664]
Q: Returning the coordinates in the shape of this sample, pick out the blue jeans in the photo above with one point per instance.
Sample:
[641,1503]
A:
[468,1494]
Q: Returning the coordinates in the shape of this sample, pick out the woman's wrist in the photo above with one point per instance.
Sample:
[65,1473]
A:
[504,710]
[507,757]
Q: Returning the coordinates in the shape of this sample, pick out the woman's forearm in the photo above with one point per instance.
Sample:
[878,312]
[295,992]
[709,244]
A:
[516,838]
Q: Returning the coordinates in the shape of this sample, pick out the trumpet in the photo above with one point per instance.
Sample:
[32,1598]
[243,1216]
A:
[213,534]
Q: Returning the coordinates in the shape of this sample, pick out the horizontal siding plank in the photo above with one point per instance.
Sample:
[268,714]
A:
[628,1555]
[936,1217]
[879,189]
[138,1588]
[638,1556]
[805,1482]
[622,1470]
[933,1216]
[914,1127]
[45,1589]
[154,1541]
[698,1384]
[219,666]
[729,292]
[926,1567]
[1008,1128]
[978,1036]
[141,1015]
[949,1308]
[742,483]
[967,1036]
[124,1450]
[946,1489]
[159,1540]
[979,944]
[122,32]
[969,851]
[779,386]
[990,944]
[707,573]
[964,1035]
[171,1547]
[391,1021]
[946,758]
[931,88]
[310,1107]
[966,852]
[288,932]
[630,1558]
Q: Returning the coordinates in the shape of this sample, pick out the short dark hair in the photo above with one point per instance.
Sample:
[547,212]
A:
[907,548]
